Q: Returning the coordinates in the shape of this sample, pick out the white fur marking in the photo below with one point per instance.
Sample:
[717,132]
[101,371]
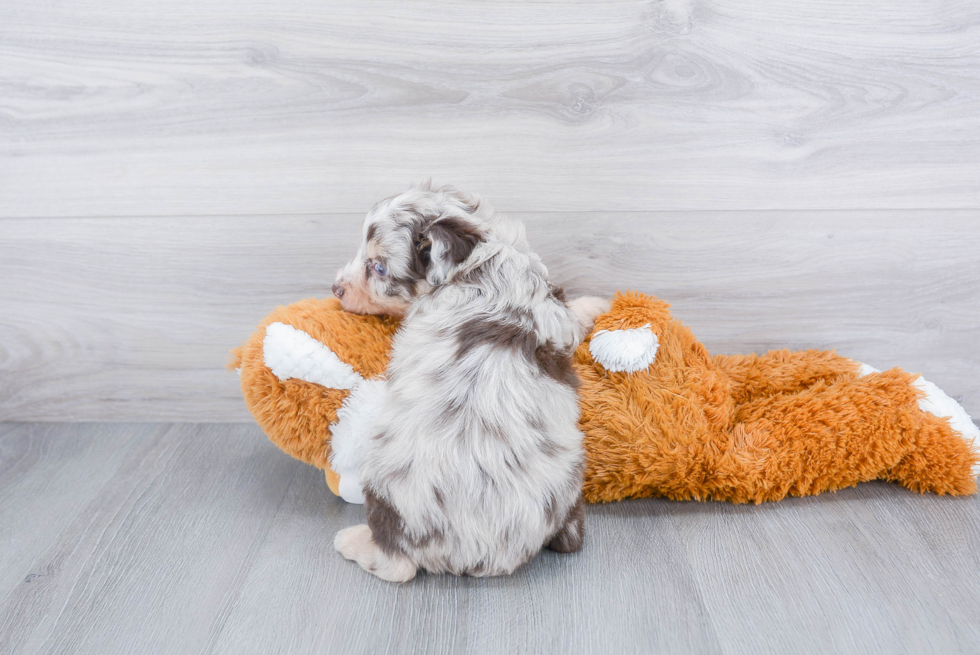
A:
[624,350]
[352,431]
[291,353]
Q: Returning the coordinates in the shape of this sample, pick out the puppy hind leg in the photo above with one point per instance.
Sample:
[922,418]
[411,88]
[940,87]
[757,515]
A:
[356,543]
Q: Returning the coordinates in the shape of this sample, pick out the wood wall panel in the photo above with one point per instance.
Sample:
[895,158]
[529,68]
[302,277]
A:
[132,318]
[123,108]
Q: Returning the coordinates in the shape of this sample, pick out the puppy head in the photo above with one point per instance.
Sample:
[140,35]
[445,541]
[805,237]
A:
[410,244]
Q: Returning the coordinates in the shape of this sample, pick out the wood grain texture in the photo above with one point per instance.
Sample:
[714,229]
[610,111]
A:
[122,108]
[132,319]
[154,553]
[205,538]
[840,555]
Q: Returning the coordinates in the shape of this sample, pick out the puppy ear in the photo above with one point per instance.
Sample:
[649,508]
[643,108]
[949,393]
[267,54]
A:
[449,242]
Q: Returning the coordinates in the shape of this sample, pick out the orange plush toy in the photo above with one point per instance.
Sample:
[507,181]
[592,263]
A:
[661,416]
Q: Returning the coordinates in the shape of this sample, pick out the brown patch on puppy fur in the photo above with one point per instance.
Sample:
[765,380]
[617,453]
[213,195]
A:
[387,526]
[421,246]
[572,533]
[556,364]
[458,237]
[494,333]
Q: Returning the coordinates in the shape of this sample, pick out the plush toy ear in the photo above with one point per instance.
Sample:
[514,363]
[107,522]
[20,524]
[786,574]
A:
[627,350]
[447,242]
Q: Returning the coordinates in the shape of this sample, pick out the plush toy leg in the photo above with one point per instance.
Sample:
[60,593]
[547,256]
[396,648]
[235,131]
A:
[940,461]
[782,371]
[831,436]
[356,544]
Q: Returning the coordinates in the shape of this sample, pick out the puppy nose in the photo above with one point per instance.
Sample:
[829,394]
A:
[338,291]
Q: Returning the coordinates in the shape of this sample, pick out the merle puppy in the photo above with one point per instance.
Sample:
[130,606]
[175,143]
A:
[477,459]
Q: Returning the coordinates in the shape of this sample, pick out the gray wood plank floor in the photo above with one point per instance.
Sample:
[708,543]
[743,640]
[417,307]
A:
[163,538]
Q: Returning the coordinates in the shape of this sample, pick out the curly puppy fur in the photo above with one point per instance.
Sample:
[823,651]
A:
[477,460]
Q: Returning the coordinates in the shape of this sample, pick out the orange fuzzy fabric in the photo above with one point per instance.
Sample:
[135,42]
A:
[297,414]
[742,428]
[748,428]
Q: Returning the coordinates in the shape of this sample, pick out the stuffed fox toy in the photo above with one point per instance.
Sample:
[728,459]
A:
[660,415]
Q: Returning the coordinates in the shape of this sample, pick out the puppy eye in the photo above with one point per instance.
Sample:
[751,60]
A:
[380,270]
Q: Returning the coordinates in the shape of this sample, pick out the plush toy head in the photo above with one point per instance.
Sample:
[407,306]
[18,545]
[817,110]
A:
[310,377]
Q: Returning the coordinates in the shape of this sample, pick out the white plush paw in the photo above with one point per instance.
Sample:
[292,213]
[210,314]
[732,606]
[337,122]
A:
[354,543]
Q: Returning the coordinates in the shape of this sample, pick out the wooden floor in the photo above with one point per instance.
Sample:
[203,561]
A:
[183,538]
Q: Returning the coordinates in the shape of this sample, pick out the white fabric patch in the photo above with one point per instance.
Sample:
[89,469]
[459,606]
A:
[354,427]
[626,351]
[938,403]
[291,353]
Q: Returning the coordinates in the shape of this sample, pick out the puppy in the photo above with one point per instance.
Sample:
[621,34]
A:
[477,459]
